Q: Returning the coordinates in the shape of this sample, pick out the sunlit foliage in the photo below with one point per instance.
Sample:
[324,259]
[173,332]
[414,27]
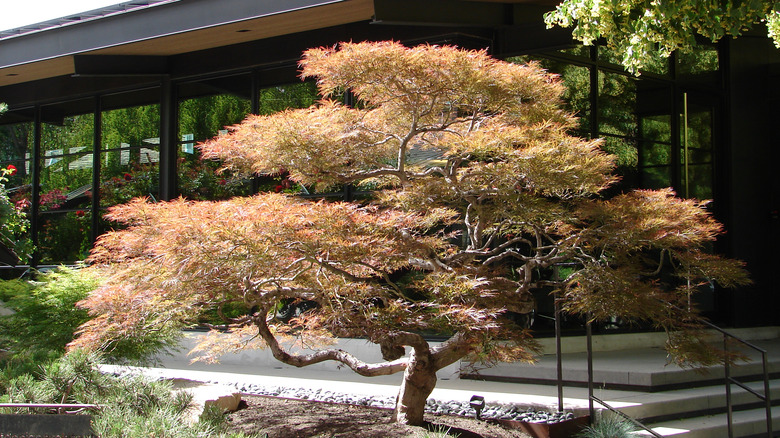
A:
[640,29]
[450,245]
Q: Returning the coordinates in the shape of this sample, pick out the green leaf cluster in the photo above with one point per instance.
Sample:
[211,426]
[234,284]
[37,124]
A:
[641,28]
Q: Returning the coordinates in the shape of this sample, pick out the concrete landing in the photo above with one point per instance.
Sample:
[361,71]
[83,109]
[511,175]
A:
[637,369]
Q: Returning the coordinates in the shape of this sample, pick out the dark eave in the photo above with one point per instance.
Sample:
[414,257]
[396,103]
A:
[123,49]
[168,29]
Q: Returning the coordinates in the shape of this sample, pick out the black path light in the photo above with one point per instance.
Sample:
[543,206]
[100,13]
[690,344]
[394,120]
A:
[478,403]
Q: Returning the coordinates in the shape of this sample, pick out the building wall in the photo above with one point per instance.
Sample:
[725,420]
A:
[752,182]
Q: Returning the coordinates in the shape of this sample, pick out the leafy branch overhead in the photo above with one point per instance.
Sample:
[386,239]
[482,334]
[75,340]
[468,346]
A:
[453,245]
[642,29]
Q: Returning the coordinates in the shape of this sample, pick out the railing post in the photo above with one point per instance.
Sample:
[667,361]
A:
[727,369]
[767,396]
[589,335]
[558,351]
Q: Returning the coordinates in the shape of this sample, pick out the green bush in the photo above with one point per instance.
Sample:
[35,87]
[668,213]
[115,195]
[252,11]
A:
[12,288]
[130,407]
[44,320]
[46,317]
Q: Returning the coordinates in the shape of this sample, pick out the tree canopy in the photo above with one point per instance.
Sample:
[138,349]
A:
[451,245]
[639,29]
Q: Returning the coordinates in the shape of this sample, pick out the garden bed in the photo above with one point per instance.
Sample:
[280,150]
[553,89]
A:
[286,418]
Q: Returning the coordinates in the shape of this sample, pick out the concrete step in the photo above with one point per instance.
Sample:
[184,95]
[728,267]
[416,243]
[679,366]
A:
[641,369]
[683,403]
[747,424]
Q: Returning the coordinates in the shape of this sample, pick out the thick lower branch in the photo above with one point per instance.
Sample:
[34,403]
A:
[450,351]
[302,360]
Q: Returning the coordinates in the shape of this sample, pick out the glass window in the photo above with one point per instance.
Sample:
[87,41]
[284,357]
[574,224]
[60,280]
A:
[656,128]
[623,148]
[66,165]
[280,98]
[577,81]
[16,141]
[656,177]
[578,51]
[206,109]
[696,145]
[617,116]
[130,154]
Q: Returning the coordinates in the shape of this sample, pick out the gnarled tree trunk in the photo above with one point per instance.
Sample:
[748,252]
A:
[419,381]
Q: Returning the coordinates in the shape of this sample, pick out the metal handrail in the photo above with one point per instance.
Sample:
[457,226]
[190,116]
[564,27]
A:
[592,398]
[729,380]
[765,397]
[624,416]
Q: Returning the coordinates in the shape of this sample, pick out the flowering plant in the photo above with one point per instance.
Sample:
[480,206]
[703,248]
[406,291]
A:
[139,180]
[13,222]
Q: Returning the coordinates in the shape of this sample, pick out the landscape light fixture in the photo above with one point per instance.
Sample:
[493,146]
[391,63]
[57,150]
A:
[478,403]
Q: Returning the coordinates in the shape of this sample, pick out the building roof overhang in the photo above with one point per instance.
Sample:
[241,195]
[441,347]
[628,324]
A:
[166,29]
[140,41]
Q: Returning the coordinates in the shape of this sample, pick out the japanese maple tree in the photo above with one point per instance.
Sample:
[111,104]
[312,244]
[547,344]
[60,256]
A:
[450,246]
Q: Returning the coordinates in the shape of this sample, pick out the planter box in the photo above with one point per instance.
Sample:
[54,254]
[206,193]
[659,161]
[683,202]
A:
[35,425]
[7,256]
[564,429]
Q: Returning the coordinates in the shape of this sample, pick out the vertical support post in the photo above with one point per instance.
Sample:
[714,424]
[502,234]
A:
[558,352]
[767,396]
[727,369]
[589,338]
[254,97]
[594,93]
[677,142]
[347,191]
[168,141]
[97,132]
[254,100]
[685,143]
[35,165]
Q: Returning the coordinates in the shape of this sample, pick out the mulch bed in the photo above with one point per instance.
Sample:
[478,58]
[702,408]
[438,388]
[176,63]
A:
[285,418]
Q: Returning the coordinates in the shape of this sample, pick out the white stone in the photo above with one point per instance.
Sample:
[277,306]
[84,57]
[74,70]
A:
[208,394]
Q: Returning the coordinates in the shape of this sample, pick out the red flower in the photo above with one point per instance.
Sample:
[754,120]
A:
[80,213]
[222,182]
[128,177]
[23,204]
[11,170]
[278,188]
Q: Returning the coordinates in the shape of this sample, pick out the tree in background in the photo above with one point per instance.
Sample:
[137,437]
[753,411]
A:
[449,245]
[640,29]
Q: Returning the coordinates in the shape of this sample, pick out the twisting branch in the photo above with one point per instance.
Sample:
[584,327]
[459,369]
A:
[302,360]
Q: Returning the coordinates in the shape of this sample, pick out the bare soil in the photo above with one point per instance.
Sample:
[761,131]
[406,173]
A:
[285,418]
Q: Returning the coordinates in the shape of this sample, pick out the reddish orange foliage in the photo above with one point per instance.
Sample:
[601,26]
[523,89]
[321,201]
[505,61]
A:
[453,245]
